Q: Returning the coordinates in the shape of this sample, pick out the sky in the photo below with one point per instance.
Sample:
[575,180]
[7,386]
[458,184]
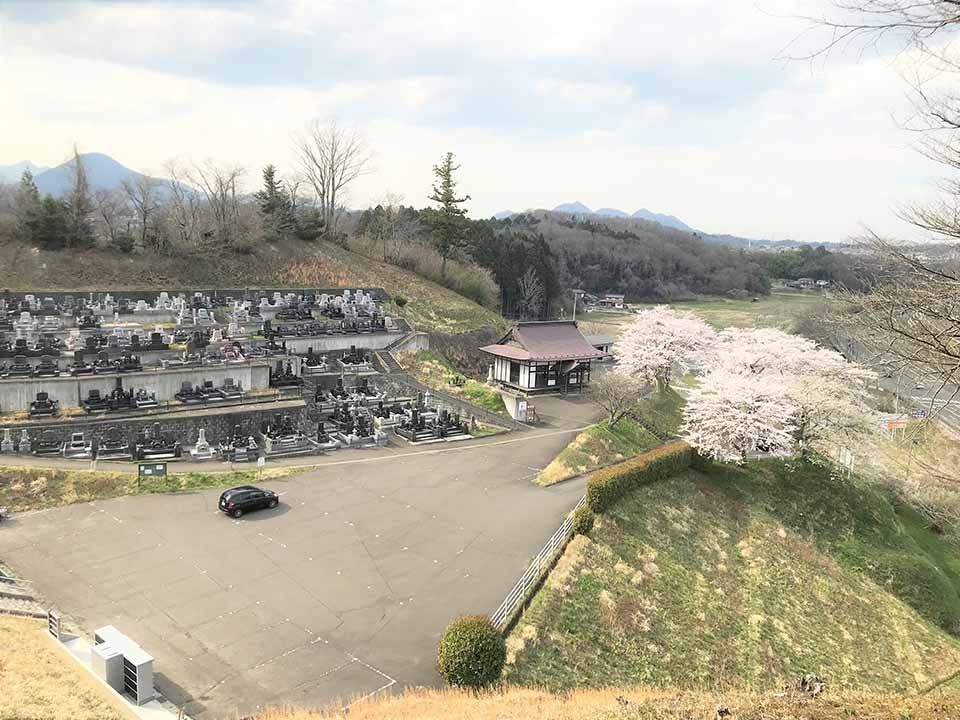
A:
[687,107]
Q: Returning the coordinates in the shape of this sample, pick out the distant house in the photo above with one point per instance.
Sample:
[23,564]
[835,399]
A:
[603,343]
[611,300]
[541,357]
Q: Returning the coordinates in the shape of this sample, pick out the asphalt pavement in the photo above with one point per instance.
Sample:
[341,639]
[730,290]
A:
[340,592]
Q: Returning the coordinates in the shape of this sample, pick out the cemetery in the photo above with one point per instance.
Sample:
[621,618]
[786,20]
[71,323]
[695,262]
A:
[228,375]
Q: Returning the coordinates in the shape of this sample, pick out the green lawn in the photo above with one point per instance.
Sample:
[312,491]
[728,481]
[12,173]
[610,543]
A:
[32,488]
[746,577]
[598,446]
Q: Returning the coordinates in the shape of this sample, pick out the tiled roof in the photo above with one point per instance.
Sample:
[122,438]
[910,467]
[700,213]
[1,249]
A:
[549,341]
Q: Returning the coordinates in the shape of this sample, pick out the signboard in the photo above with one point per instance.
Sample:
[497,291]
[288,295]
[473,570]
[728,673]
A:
[53,624]
[152,469]
[896,424]
[919,413]
[261,461]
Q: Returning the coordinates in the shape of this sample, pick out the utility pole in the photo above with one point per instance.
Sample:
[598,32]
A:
[576,296]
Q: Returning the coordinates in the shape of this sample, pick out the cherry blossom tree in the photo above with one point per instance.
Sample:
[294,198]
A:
[767,350]
[662,341]
[731,416]
[820,393]
[828,414]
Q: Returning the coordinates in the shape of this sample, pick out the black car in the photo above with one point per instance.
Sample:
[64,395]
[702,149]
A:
[239,500]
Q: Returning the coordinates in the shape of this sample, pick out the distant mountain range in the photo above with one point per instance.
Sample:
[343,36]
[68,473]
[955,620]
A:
[103,173]
[13,173]
[671,221]
[578,208]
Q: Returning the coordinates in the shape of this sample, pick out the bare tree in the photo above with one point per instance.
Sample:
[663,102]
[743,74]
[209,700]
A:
[910,315]
[185,208]
[79,204]
[220,185]
[112,213]
[530,294]
[142,192]
[618,394]
[868,22]
[331,157]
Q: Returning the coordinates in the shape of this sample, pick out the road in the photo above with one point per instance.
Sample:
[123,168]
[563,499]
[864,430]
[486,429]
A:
[340,592]
[911,385]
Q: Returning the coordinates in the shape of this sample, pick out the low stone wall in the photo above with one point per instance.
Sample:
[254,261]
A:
[18,393]
[184,425]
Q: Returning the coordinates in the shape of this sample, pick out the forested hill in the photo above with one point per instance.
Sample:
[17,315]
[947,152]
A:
[639,258]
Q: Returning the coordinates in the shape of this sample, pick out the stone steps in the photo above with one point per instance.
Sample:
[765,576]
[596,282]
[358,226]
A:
[18,600]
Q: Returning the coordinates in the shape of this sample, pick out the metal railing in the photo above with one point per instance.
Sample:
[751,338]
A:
[544,560]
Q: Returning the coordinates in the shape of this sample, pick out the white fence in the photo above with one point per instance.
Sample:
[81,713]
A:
[531,576]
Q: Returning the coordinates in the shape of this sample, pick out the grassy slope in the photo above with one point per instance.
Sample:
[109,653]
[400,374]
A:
[33,488]
[430,307]
[434,370]
[631,703]
[39,683]
[596,447]
[663,411]
[746,577]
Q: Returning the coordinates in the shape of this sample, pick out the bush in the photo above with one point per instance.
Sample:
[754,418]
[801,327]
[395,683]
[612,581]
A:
[471,652]
[583,520]
[610,484]
[400,300]
[700,462]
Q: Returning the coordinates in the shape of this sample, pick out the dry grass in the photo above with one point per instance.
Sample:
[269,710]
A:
[39,682]
[597,447]
[290,263]
[746,579]
[36,488]
[638,704]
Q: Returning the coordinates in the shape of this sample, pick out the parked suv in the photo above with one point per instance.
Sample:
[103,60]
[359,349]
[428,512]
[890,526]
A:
[239,500]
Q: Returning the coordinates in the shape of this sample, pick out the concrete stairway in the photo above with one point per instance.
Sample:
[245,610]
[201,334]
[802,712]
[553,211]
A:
[15,599]
[387,362]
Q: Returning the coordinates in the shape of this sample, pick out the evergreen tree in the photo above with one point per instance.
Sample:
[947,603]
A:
[52,225]
[449,220]
[26,207]
[275,206]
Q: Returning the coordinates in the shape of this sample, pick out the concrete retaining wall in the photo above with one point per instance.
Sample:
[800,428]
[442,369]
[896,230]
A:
[184,425]
[18,393]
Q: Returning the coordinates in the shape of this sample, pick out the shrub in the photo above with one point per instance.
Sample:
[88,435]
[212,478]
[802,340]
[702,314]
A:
[400,300]
[583,520]
[471,652]
[610,484]
[700,462]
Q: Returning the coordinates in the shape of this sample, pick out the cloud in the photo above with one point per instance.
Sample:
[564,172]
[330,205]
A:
[680,108]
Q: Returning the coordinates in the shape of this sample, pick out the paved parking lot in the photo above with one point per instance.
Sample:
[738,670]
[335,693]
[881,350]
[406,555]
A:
[340,592]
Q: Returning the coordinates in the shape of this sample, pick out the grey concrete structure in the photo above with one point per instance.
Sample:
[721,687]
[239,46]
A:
[342,591]
[17,393]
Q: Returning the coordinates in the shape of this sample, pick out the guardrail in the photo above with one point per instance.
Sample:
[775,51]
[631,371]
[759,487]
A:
[544,560]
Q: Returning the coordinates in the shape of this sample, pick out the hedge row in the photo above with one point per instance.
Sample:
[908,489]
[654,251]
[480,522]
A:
[610,484]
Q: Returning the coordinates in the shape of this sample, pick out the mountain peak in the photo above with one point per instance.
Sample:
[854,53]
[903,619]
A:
[574,208]
[103,172]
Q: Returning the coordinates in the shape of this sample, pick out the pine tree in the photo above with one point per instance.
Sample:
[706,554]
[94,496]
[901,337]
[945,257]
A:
[52,225]
[449,220]
[275,206]
[27,205]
